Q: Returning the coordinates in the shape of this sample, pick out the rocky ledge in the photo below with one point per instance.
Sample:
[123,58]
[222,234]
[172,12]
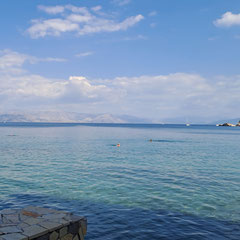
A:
[229,125]
[41,224]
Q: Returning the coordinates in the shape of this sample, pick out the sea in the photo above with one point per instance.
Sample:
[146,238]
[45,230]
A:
[184,184]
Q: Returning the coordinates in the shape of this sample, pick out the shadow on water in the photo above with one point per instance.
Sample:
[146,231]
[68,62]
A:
[216,133]
[116,222]
[165,141]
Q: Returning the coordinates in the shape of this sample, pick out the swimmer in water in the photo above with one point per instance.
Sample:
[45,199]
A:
[150,140]
[118,145]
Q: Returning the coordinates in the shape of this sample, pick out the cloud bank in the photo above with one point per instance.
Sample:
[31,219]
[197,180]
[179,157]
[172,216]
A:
[78,20]
[161,96]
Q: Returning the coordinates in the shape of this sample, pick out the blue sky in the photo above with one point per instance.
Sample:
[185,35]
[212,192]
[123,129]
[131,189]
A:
[149,58]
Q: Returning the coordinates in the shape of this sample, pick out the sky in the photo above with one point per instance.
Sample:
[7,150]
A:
[155,59]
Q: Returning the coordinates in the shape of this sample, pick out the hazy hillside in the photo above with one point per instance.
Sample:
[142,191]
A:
[73,117]
[68,117]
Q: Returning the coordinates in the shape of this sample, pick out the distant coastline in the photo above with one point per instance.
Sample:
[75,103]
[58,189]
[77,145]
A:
[68,117]
[61,117]
[66,124]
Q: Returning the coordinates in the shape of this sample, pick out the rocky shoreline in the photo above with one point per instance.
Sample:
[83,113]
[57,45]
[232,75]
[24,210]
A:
[39,223]
[229,125]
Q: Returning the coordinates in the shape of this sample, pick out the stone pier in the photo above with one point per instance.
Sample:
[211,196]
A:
[41,224]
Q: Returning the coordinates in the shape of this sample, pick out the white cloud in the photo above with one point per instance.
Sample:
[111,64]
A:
[121,2]
[32,86]
[105,25]
[16,82]
[11,59]
[228,19]
[84,54]
[96,8]
[52,9]
[18,85]
[79,20]
[152,14]
[53,27]
[138,37]
[160,96]
[180,94]
[74,9]
[80,87]
[51,59]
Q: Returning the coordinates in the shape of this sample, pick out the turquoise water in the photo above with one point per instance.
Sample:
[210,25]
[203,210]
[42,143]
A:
[183,185]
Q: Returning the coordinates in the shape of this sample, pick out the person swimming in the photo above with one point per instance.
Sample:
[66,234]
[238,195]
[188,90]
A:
[116,145]
[162,140]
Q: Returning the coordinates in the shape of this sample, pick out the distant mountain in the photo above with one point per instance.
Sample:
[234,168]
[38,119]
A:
[68,117]
[73,117]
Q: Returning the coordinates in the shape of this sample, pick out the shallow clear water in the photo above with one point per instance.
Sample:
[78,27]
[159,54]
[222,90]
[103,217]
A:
[183,185]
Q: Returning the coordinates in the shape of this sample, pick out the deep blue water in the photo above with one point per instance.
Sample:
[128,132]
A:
[185,184]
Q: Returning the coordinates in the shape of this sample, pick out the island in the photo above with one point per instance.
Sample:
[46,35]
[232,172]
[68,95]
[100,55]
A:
[229,124]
